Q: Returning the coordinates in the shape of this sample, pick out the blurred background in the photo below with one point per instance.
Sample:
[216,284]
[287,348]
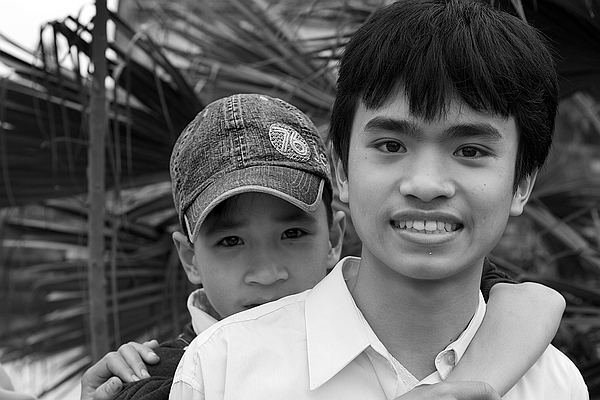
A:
[63,302]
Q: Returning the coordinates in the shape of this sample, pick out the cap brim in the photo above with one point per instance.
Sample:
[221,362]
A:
[300,188]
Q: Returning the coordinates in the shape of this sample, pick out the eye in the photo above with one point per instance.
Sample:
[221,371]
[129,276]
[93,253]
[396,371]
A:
[230,241]
[391,146]
[470,152]
[293,233]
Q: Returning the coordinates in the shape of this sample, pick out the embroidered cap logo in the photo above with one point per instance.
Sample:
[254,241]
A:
[289,142]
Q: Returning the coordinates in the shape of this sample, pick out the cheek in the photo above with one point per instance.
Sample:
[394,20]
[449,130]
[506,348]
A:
[221,287]
[491,205]
[312,266]
[494,186]
[365,189]
[220,270]
[369,198]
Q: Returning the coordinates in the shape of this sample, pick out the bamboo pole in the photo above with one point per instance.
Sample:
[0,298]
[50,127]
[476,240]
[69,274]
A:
[96,187]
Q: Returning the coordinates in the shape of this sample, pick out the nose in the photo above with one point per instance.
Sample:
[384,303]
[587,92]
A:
[266,270]
[426,178]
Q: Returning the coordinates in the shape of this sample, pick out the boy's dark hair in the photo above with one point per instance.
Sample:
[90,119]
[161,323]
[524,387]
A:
[437,50]
[225,207]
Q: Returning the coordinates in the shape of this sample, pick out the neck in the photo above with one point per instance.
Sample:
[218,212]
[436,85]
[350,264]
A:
[415,319]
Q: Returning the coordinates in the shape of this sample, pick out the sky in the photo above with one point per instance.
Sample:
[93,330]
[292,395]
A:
[20,20]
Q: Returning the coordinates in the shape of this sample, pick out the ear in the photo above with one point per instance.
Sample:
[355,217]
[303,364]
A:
[522,194]
[187,256]
[341,179]
[336,238]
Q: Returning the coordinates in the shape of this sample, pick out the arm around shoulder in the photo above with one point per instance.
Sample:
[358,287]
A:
[535,307]
[520,322]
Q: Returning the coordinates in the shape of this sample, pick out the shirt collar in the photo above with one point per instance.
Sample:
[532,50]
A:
[337,332]
[334,329]
[200,309]
[447,359]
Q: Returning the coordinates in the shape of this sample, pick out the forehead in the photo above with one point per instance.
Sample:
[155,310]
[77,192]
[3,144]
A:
[244,208]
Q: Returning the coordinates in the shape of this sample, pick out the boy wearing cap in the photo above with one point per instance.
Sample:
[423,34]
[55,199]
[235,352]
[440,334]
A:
[252,188]
[444,113]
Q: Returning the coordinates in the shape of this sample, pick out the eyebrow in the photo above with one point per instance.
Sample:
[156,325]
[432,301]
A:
[393,125]
[222,224]
[297,215]
[227,223]
[478,129]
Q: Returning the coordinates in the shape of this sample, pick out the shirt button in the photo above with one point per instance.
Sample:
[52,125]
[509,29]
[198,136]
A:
[450,357]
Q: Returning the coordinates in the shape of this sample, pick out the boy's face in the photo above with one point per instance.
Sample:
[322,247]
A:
[429,199]
[259,249]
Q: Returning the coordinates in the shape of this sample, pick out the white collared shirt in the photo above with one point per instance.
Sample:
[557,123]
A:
[200,310]
[317,345]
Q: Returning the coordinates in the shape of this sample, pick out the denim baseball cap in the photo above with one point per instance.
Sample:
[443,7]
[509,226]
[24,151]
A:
[247,143]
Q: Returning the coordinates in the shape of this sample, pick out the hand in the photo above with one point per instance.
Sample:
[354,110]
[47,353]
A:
[104,380]
[457,390]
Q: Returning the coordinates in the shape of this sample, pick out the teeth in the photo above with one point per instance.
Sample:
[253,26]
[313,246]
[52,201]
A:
[428,227]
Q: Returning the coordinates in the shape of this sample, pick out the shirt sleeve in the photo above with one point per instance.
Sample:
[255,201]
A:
[492,275]
[579,389]
[188,380]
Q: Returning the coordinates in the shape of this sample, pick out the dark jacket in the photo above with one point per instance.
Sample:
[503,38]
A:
[157,387]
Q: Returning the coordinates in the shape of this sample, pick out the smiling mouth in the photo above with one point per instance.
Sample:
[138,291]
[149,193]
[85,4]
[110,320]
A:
[426,227]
